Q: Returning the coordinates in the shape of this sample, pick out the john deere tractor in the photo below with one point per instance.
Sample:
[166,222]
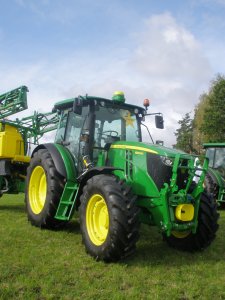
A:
[215,177]
[99,166]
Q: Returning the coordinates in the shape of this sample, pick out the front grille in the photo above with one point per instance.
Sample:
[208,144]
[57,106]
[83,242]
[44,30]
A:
[162,173]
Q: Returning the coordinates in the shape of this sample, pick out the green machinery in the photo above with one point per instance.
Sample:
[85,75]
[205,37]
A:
[215,177]
[99,166]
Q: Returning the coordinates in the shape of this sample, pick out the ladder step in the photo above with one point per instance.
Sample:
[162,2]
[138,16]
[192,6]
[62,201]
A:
[71,188]
[62,218]
[66,202]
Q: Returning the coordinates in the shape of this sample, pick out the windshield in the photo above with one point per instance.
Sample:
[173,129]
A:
[96,128]
[219,162]
[115,124]
[61,127]
[216,158]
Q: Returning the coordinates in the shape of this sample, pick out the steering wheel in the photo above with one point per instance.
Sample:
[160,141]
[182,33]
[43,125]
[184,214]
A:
[112,133]
[105,135]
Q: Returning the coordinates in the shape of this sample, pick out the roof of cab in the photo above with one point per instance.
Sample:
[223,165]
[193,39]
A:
[68,103]
[214,145]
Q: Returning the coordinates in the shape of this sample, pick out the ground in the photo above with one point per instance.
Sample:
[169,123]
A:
[43,264]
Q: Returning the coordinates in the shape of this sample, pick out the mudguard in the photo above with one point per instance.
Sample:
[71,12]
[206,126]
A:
[62,159]
[218,179]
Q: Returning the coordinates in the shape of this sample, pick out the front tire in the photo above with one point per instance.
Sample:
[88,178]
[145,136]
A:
[206,230]
[44,187]
[108,218]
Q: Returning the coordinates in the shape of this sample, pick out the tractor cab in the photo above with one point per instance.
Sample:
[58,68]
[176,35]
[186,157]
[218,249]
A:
[89,125]
[215,177]
[216,155]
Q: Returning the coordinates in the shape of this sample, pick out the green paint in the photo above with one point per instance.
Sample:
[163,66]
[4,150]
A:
[67,201]
[158,193]
[13,101]
[68,162]
[68,198]
[158,205]
[213,145]
[216,155]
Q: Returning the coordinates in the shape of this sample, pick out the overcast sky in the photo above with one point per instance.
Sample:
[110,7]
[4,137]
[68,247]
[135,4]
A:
[167,51]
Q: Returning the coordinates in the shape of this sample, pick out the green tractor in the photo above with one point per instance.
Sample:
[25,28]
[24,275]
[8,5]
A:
[99,166]
[215,177]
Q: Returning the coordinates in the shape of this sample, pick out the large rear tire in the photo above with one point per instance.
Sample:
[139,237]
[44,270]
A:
[108,218]
[211,186]
[44,187]
[206,231]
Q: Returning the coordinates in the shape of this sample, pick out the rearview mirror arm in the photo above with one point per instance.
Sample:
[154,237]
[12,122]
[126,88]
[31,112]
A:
[148,132]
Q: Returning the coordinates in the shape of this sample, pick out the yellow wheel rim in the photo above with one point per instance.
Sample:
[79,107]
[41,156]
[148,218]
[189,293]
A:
[97,219]
[181,234]
[37,189]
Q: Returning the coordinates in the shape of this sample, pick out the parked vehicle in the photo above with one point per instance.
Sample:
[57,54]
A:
[99,166]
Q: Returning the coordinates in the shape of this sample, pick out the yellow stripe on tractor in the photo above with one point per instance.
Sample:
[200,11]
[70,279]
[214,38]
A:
[128,147]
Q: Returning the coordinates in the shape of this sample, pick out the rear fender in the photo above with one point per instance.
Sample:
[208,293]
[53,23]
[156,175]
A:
[216,177]
[62,158]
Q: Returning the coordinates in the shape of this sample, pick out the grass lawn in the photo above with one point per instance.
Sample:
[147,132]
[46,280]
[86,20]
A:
[43,264]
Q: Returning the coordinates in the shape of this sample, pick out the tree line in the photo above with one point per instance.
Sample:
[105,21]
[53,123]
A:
[208,123]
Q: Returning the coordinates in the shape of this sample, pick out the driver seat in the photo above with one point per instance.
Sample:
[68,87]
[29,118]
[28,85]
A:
[109,141]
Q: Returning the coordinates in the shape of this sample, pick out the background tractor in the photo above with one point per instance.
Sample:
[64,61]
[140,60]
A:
[99,166]
[215,177]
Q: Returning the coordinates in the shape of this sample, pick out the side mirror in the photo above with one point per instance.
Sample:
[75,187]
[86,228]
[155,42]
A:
[159,122]
[77,106]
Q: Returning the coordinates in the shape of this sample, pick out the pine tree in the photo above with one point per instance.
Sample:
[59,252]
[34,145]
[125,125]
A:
[198,136]
[184,134]
[213,125]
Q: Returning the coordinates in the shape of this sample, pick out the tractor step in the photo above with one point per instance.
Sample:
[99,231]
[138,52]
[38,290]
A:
[67,202]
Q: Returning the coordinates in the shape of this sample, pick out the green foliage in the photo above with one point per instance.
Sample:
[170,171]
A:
[208,123]
[198,136]
[213,125]
[184,134]
[44,264]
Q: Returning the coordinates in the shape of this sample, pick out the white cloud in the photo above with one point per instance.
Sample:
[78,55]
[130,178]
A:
[167,65]
[167,50]
[173,67]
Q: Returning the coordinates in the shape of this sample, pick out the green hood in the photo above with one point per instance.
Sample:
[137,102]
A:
[150,148]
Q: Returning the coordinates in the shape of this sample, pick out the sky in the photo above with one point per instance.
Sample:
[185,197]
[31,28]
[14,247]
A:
[166,50]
